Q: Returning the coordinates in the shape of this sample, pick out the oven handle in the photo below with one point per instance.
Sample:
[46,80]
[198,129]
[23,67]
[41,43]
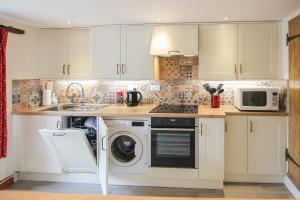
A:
[173,129]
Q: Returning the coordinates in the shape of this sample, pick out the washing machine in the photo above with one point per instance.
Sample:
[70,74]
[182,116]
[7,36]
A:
[128,145]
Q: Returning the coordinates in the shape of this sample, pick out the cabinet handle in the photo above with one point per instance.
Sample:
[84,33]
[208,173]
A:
[241,66]
[124,69]
[102,141]
[64,70]
[58,124]
[226,127]
[251,127]
[201,129]
[118,66]
[69,69]
[174,51]
[235,69]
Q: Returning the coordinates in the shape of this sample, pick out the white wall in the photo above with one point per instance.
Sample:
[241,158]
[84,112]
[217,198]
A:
[285,49]
[22,62]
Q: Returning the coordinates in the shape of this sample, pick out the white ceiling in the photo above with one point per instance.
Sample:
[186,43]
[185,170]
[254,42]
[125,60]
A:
[54,13]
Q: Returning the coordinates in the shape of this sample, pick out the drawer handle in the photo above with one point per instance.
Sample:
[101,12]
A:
[64,70]
[102,141]
[174,51]
[201,129]
[118,66]
[58,124]
[69,69]
[58,134]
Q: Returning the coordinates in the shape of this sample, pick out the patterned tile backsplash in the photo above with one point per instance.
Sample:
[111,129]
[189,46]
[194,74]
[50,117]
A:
[27,93]
[177,74]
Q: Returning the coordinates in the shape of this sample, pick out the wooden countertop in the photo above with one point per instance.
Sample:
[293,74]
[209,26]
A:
[17,195]
[143,110]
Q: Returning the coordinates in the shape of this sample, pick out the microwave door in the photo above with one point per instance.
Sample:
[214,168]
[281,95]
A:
[255,98]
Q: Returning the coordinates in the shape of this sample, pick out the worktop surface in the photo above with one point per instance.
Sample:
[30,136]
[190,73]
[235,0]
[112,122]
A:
[143,110]
[16,195]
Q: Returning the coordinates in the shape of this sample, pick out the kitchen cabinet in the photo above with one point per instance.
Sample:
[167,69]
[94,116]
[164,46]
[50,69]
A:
[104,160]
[122,52]
[34,154]
[238,51]
[64,53]
[218,51]
[236,145]
[174,40]
[211,149]
[258,51]
[266,145]
[255,148]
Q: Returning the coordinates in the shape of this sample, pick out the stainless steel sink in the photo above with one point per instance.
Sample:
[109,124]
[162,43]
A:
[76,107]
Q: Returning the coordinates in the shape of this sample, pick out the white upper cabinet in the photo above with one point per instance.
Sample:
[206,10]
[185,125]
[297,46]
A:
[211,149]
[174,40]
[135,58]
[78,54]
[266,145]
[218,51]
[106,51]
[64,53]
[238,51]
[258,51]
[53,53]
[122,52]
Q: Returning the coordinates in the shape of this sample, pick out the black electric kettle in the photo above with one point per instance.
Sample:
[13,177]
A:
[132,97]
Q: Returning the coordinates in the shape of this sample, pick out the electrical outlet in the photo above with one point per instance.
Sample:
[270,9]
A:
[154,87]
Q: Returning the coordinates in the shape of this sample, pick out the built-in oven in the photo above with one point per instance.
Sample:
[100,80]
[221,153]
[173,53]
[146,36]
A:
[173,142]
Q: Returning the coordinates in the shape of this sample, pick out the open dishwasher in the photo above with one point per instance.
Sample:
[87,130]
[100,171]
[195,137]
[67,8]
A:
[75,143]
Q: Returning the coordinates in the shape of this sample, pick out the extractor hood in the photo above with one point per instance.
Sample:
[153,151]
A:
[168,40]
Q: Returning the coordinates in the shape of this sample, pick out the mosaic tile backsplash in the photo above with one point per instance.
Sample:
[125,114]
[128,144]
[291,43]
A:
[27,93]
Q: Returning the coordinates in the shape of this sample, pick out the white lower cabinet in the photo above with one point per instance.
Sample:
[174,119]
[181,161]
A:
[236,145]
[211,149]
[46,148]
[255,148]
[34,154]
[266,145]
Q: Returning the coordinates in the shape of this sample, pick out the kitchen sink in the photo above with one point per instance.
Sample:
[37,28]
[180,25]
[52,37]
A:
[75,107]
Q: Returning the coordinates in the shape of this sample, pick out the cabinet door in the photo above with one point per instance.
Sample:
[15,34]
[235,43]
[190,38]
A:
[53,53]
[135,58]
[103,160]
[69,145]
[78,54]
[211,149]
[106,51]
[236,145]
[266,145]
[257,51]
[175,40]
[218,52]
[34,154]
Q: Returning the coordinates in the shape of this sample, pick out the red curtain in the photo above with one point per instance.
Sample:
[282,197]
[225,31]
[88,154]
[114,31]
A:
[3,114]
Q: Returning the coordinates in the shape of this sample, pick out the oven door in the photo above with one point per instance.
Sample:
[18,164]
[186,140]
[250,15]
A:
[173,148]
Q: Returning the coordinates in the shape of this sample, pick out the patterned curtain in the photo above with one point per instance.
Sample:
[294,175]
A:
[3,114]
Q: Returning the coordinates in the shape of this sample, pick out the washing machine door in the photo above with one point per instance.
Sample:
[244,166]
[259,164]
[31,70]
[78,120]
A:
[126,149]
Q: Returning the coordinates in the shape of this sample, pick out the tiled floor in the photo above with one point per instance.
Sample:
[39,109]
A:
[230,190]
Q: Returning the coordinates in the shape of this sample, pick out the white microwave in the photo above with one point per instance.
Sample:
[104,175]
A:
[256,98]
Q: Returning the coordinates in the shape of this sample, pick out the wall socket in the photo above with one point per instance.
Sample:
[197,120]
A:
[154,87]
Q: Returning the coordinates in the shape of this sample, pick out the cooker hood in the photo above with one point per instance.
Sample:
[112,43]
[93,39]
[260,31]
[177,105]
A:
[169,40]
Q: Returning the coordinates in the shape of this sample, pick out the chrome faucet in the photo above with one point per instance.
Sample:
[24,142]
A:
[74,97]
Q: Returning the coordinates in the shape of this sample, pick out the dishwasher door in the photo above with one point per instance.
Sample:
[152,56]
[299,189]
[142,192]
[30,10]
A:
[72,149]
